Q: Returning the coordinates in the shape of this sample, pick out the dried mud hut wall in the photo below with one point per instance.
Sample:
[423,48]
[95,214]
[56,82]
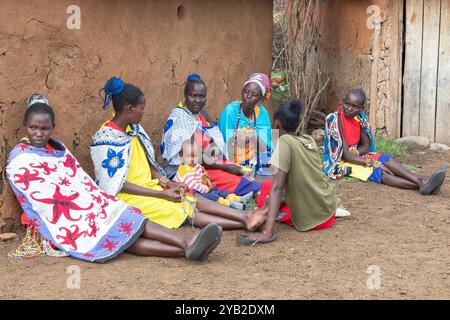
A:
[152,44]
[347,54]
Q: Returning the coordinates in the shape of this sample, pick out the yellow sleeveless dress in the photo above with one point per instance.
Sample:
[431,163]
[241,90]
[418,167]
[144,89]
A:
[164,212]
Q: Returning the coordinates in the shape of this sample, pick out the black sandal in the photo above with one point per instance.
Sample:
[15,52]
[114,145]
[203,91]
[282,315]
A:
[206,238]
[246,241]
[208,250]
[438,189]
[434,182]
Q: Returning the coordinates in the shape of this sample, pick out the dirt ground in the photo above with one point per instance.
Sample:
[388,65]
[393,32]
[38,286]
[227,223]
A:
[401,234]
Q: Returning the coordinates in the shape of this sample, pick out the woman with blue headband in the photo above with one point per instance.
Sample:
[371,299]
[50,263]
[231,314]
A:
[190,119]
[125,165]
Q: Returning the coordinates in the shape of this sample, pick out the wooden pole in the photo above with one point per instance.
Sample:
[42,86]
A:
[376,47]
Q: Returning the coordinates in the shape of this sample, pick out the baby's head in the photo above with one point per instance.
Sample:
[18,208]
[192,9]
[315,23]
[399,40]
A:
[190,152]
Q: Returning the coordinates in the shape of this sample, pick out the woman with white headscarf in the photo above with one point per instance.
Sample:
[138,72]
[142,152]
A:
[246,128]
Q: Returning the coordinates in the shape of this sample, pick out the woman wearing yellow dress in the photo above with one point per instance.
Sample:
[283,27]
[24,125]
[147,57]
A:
[125,165]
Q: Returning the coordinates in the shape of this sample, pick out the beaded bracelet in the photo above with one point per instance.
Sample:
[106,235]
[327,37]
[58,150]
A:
[368,162]
[164,180]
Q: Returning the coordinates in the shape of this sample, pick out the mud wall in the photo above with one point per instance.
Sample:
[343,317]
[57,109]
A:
[347,34]
[152,44]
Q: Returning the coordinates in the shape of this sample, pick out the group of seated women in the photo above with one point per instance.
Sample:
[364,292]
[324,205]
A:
[210,172]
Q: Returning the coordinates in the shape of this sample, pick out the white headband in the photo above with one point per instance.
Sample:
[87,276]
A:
[36,98]
[259,83]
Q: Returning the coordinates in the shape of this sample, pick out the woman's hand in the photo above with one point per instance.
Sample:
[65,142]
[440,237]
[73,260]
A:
[171,194]
[178,186]
[183,188]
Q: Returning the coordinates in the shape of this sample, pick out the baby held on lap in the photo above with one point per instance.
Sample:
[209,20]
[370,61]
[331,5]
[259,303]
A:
[194,175]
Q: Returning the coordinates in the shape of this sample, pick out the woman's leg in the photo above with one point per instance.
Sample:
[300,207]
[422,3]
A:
[146,247]
[398,170]
[399,182]
[155,231]
[249,220]
[202,219]
[159,241]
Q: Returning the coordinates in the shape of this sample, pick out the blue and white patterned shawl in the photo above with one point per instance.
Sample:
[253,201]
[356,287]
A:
[179,127]
[110,153]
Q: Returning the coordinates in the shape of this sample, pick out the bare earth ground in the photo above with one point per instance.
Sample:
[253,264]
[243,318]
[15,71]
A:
[404,234]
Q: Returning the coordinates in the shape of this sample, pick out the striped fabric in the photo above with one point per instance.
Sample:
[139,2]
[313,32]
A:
[193,177]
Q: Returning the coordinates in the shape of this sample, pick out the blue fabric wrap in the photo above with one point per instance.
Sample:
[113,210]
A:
[112,87]
[377,172]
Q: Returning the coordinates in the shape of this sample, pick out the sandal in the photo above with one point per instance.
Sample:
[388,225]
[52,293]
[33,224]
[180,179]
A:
[208,250]
[434,182]
[438,189]
[206,238]
[246,241]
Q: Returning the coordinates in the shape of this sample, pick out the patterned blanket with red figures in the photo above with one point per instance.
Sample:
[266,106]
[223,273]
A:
[66,206]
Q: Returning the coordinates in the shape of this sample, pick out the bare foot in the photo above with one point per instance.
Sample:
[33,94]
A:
[423,180]
[256,218]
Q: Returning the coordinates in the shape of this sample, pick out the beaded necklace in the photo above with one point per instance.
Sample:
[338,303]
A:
[239,118]
[254,127]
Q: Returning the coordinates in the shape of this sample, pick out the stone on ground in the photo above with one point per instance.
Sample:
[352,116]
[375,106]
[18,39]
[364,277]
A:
[415,142]
[439,147]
